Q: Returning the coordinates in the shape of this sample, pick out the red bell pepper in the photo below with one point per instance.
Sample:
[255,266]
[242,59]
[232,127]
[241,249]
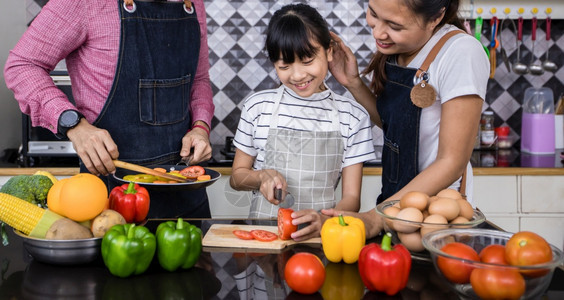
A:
[384,269]
[131,201]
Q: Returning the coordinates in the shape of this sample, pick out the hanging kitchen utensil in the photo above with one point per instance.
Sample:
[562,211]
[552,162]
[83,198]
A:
[519,67]
[502,50]
[286,199]
[494,43]
[547,64]
[478,33]
[536,69]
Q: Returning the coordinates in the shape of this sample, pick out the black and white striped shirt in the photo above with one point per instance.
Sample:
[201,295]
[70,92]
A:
[311,114]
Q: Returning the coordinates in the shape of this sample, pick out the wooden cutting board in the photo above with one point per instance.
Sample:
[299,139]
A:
[221,235]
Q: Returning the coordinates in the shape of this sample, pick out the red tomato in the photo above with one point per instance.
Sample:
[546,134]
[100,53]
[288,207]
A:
[493,283]
[527,248]
[455,270]
[304,273]
[243,234]
[192,172]
[285,226]
[263,235]
[493,254]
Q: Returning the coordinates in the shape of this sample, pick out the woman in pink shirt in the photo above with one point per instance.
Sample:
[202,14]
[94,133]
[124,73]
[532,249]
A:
[139,73]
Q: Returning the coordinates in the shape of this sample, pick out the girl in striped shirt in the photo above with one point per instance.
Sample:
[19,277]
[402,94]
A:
[301,137]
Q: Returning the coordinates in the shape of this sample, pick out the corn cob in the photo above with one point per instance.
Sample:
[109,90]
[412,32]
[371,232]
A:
[28,218]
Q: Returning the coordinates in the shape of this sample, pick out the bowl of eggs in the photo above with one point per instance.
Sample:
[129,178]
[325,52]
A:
[417,214]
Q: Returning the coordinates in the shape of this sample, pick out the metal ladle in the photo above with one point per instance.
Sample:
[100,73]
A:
[536,69]
[502,51]
[548,65]
[519,67]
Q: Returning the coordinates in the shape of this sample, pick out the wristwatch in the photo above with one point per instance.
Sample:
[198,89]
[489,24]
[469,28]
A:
[68,120]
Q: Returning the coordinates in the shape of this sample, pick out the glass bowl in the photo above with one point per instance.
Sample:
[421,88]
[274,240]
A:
[409,233]
[536,277]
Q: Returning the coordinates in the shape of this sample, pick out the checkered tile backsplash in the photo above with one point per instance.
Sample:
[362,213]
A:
[239,65]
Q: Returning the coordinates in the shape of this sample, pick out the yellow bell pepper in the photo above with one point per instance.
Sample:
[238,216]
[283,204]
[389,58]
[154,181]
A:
[342,238]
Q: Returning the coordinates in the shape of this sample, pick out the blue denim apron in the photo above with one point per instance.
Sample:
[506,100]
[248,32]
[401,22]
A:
[400,124]
[147,111]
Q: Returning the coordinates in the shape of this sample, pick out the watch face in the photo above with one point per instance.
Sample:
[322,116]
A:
[69,118]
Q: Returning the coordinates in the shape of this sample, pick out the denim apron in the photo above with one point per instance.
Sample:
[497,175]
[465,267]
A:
[147,111]
[310,161]
[400,124]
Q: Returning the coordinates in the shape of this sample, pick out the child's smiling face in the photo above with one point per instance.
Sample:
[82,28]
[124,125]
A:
[305,77]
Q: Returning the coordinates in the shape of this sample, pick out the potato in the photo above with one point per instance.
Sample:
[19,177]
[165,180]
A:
[67,229]
[105,220]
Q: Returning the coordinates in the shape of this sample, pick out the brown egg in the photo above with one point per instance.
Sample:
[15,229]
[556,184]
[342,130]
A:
[460,220]
[433,220]
[446,207]
[411,241]
[418,200]
[433,199]
[449,193]
[391,211]
[466,209]
[409,214]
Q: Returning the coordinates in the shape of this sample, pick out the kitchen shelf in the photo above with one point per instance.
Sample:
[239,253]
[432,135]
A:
[469,8]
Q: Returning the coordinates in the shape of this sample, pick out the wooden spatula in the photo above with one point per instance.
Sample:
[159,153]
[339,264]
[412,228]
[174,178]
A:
[141,169]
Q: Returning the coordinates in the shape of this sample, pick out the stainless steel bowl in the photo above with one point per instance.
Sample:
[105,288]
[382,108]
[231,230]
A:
[62,252]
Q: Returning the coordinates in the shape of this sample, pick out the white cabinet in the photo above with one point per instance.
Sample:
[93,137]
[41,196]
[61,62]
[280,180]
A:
[496,194]
[523,202]
[226,202]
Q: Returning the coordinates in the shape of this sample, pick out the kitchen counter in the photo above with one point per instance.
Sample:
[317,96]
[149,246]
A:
[212,278]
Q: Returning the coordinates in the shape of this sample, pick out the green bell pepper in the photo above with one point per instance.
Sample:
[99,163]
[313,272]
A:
[179,244]
[128,249]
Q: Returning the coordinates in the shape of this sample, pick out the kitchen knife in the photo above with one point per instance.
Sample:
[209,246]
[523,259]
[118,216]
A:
[286,199]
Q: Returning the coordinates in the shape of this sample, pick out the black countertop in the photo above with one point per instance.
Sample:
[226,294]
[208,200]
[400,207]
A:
[214,277]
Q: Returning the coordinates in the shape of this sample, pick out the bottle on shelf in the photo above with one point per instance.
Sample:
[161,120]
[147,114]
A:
[487,130]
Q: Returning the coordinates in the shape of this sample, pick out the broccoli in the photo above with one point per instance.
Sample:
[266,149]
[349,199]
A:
[31,188]
[40,185]
[18,186]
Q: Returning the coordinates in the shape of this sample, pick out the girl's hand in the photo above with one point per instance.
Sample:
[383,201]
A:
[306,216]
[344,66]
[269,181]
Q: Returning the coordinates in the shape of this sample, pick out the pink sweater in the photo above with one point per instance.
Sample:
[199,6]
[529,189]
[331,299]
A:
[85,33]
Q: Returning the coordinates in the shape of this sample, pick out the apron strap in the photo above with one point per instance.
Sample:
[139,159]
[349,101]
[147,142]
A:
[129,6]
[433,53]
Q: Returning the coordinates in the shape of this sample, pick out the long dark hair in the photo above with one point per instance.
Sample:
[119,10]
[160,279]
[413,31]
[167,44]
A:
[291,31]
[428,10]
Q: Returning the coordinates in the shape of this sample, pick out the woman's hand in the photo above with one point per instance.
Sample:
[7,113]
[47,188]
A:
[95,147]
[344,66]
[197,143]
[315,220]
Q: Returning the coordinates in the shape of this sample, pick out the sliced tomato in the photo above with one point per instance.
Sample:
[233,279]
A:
[192,172]
[243,234]
[263,235]
[285,226]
